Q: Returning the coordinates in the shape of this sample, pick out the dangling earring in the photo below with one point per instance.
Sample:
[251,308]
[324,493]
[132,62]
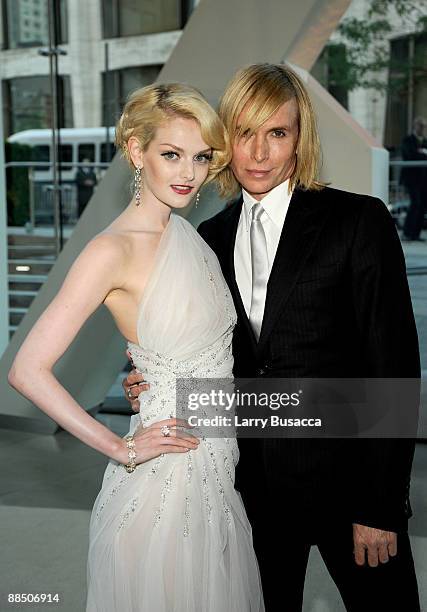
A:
[197,198]
[137,185]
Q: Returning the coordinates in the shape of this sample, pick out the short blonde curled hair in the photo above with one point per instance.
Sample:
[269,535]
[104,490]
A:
[149,107]
[261,89]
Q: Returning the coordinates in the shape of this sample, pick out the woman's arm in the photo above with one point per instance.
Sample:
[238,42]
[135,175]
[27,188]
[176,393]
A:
[98,269]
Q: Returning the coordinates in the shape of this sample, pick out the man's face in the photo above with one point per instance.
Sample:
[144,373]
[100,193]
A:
[267,157]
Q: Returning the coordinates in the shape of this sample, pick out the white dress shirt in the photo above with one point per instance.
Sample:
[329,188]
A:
[275,204]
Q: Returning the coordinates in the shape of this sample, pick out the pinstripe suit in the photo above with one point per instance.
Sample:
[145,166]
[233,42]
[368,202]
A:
[337,305]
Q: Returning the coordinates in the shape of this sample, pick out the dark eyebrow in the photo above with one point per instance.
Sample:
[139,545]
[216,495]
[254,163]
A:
[167,144]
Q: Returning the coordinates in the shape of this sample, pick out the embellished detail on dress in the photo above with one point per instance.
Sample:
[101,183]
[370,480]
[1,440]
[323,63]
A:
[126,476]
[228,469]
[157,463]
[189,468]
[229,305]
[129,511]
[111,472]
[211,278]
[205,479]
[202,363]
[165,490]
[186,529]
[218,481]
[189,474]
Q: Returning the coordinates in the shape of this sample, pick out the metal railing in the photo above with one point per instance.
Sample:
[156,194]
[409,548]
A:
[41,198]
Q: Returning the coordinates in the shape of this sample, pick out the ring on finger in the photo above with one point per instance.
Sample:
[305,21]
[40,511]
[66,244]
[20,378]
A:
[165,429]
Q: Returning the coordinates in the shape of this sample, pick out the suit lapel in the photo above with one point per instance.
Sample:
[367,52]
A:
[229,237]
[303,223]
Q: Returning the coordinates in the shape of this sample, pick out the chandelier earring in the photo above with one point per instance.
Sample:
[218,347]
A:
[197,199]
[138,184]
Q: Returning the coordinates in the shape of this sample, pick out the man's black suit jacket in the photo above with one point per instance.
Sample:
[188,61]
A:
[337,305]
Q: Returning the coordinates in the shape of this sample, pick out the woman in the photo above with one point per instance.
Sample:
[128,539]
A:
[168,531]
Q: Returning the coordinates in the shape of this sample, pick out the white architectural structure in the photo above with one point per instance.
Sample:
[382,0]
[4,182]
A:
[251,31]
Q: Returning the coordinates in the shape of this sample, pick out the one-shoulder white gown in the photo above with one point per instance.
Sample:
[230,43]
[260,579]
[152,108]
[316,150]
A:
[173,535]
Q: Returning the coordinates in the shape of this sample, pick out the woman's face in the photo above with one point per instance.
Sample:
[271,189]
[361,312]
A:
[176,163]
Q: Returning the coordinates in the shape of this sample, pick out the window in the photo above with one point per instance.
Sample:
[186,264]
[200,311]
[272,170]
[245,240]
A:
[330,70]
[65,155]
[86,150]
[19,31]
[41,153]
[28,103]
[117,85]
[407,93]
[134,17]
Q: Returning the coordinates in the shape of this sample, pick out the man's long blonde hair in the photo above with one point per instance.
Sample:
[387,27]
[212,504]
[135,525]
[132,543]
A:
[261,89]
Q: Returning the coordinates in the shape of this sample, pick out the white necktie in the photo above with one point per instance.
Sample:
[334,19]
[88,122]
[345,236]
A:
[259,262]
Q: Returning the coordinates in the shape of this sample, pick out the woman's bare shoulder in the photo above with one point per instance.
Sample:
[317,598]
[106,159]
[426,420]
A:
[129,241]
[111,243]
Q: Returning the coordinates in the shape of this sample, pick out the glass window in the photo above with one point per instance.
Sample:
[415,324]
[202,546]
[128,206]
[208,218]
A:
[41,153]
[65,155]
[134,17]
[29,105]
[86,151]
[118,84]
[20,31]
[331,69]
[407,87]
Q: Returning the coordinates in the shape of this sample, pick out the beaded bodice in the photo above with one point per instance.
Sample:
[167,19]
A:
[185,320]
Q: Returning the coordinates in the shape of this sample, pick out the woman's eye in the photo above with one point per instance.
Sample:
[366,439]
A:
[203,158]
[170,155]
[279,133]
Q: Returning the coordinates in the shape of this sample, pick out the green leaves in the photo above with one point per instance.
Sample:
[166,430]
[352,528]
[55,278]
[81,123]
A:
[368,62]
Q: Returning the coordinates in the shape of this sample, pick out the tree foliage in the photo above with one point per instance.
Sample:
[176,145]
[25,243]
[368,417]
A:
[367,62]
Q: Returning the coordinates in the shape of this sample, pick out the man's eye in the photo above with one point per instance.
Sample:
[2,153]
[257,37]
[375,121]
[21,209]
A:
[279,133]
[244,134]
[170,155]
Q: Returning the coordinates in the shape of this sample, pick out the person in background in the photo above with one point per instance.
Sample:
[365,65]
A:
[414,148]
[85,181]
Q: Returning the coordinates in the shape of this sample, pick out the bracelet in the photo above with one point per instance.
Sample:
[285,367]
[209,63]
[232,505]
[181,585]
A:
[130,443]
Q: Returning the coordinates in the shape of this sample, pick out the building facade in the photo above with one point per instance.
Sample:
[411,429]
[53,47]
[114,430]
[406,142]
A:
[114,46]
[388,116]
[111,47]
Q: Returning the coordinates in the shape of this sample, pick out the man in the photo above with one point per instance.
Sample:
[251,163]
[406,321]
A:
[414,148]
[319,283]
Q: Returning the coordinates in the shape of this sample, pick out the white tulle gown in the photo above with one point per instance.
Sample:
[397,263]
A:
[173,536]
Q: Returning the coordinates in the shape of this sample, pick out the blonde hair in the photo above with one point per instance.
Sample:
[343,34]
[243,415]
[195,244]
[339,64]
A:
[261,89]
[149,107]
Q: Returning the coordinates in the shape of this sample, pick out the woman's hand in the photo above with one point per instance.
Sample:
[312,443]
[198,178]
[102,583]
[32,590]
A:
[150,442]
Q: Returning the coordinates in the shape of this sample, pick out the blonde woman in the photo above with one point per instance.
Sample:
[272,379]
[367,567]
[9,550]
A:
[168,530]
